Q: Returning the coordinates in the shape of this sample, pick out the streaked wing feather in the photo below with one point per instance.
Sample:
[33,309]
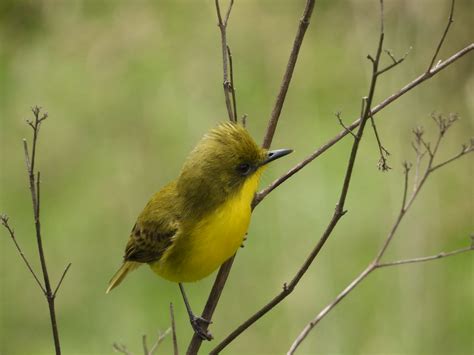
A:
[149,241]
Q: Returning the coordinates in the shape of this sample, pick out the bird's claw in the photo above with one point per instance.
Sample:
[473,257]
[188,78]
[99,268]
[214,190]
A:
[198,324]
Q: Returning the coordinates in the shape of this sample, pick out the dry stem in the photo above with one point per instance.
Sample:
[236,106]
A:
[406,204]
[34,185]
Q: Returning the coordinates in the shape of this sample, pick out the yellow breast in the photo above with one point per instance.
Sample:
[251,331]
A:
[200,249]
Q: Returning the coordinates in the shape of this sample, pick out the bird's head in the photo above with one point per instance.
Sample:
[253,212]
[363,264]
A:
[223,160]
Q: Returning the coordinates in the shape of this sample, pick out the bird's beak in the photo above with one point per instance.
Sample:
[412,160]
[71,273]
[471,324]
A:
[275,154]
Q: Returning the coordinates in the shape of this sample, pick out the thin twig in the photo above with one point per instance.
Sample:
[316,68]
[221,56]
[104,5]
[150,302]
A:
[4,219]
[338,212]
[173,331]
[384,153]
[145,346]
[222,24]
[280,99]
[407,167]
[161,337]
[389,100]
[232,86]
[61,279]
[426,258]
[395,61]
[121,349]
[34,185]
[465,150]
[339,118]
[443,37]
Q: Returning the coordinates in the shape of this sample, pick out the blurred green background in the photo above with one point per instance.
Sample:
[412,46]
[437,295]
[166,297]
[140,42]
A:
[130,87]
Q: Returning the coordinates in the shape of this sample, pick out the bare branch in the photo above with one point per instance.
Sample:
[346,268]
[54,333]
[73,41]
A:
[34,186]
[465,150]
[173,331]
[232,86]
[426,258]
[338,116]
[223,29]
[407,167]
[161,337]
[367,271]
[121,349]
[4,219]
[328,308]
[280,99]
[413,84]
[61,279]
[145,346]
[443,37]
[395,61]
[375,264]
[384,153]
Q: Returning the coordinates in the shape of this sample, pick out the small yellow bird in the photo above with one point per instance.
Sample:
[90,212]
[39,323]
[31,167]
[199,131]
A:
[198,221]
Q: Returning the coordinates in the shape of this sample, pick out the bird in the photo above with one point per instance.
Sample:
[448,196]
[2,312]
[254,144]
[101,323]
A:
[198,221]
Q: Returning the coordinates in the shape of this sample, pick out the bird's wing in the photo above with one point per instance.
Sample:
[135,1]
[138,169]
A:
[155,228]
[148,242]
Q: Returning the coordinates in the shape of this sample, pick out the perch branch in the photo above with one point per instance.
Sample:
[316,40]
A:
[224,270]
[338,212]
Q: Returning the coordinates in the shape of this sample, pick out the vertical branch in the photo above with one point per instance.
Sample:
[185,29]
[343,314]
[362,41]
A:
[173,331]
[290,67]
[228,86]
[232,87]
[34,186]
[35,195]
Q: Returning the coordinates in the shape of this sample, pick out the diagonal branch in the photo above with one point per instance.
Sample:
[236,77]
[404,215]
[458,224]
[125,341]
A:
[4,219]
[443,37]
[389,100]
[290,67]
[61,279]
[375,264]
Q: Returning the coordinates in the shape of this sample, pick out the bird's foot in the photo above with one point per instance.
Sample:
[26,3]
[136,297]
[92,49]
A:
[199,325]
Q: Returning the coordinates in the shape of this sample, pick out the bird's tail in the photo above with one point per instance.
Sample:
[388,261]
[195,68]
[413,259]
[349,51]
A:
[121,273]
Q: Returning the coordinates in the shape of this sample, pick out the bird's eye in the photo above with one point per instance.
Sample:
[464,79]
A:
[244,168]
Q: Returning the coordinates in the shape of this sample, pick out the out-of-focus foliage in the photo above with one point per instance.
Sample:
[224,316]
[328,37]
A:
[130,87]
